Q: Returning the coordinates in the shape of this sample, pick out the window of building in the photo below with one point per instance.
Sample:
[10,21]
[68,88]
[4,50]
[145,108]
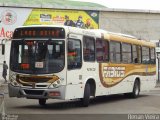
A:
[126,53]
[89,49]
[115,52]
[102,53]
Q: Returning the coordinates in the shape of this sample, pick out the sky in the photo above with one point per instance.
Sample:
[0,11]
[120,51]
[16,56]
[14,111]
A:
[128,4]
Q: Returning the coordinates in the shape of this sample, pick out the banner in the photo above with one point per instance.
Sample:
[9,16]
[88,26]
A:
[75,18]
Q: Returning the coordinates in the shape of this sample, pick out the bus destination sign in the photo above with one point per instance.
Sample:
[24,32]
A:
[39,32]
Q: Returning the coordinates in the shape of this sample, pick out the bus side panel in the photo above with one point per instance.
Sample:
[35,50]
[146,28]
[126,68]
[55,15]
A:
[120,78]
[148,81]
[74,91]
[124,86]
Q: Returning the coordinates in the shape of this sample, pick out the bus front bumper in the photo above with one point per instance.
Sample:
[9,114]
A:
[36,93]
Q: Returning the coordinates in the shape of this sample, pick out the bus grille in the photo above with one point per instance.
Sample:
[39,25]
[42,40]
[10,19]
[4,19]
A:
[37,80]
[34,92]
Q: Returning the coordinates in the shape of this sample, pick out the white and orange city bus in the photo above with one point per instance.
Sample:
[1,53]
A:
[62,62]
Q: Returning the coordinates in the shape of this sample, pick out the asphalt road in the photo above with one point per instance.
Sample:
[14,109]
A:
[147,103]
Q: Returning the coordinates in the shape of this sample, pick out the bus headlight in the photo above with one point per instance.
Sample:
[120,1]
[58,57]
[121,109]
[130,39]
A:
[55,84]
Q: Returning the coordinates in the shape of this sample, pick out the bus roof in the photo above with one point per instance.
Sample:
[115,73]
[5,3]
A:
[128,39]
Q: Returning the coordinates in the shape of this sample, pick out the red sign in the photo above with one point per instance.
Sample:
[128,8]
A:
[5,33]
[25,66]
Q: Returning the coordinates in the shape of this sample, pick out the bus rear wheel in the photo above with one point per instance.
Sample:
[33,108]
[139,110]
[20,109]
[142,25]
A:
[42,102]
[136,90]
[86,97]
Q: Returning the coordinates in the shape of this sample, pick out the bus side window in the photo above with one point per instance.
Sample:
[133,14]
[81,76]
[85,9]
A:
[145,55]
[102,50]
[89,49]
[135,54]
[115,52]
[74,54]
[139,53]
[126,53]
[152,56]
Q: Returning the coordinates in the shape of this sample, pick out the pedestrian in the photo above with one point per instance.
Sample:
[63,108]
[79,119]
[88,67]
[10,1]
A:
[5,67]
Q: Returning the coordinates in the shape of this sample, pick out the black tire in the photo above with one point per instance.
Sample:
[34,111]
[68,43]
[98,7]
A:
[42,102]
[135,92]
[136,89]
[86,98]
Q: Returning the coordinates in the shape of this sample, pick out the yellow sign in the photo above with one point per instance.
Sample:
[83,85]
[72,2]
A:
[82,19]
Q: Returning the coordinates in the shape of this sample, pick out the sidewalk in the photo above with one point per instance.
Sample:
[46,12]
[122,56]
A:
[2,106]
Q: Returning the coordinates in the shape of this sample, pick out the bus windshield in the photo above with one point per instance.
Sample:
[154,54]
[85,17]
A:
[37,56]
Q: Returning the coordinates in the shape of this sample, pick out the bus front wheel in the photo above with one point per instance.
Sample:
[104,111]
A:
[42,102]
[86,97]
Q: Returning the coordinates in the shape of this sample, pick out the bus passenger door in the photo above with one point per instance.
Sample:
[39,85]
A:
[74,64]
